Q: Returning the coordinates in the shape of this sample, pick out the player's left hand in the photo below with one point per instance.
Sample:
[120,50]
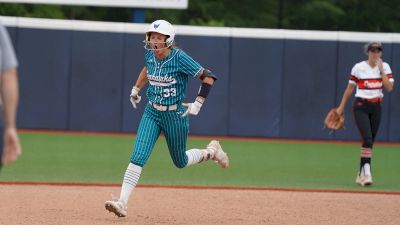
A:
[192,108]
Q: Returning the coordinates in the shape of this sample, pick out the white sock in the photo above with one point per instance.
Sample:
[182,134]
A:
[131,178]
[367,169]
[194,156]
[199,155]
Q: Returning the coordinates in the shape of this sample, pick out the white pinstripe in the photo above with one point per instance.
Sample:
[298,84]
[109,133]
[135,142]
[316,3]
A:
[149,132]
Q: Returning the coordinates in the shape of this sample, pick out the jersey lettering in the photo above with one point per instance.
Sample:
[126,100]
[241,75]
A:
[169,76]
[161,81]
[370,84]
[368,80]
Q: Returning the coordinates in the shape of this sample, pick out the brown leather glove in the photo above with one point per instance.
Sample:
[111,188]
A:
[333,120]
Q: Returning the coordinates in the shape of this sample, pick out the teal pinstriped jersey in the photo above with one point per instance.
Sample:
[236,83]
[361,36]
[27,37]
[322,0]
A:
[168,77]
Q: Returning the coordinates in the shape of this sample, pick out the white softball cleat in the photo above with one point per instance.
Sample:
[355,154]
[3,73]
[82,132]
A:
[364,180]
[220,156]
[117,207]
[364,177]
[367,181]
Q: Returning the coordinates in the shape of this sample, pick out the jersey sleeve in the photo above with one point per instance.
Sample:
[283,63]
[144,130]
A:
[8,59]
[188,65]
[354,75]
[388,72]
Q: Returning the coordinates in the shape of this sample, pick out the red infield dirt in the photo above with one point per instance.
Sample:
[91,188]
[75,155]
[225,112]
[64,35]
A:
[60,204]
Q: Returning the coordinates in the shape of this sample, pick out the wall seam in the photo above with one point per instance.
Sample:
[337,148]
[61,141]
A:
[69,84]
[282,87]
[123,71]
[228,119]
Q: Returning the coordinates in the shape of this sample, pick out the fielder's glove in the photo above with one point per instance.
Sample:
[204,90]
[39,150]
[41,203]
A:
[135,97]
[193,108]
[334,120]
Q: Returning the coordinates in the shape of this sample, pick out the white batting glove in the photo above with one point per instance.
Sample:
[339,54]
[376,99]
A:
[192,108]
[135,97]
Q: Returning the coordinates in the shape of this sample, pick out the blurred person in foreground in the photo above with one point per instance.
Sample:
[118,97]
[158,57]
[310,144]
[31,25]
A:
[10,148]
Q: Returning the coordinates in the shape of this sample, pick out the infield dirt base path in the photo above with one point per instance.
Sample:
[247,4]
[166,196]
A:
[45,204]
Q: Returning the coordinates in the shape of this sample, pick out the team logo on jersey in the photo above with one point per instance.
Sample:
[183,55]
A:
[370,84]
[161,81]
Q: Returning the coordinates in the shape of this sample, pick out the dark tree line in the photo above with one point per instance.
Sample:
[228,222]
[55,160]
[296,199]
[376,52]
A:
[347,15]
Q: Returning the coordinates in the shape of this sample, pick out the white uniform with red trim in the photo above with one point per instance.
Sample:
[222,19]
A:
[369,80]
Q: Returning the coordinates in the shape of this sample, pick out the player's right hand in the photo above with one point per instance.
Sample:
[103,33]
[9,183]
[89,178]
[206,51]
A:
[12,147]
[379,63]
[135,97]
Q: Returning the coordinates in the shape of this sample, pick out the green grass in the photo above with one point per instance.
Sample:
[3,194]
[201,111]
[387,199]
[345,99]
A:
[103,159]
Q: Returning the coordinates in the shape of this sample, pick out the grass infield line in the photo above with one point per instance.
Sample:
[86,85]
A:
[94,133]
[201,187]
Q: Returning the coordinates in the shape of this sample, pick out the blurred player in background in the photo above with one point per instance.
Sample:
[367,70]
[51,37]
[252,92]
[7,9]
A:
[10,147]
[370,77]
[167,70]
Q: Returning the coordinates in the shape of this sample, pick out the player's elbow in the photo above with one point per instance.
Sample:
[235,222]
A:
[389,88]
[209,80]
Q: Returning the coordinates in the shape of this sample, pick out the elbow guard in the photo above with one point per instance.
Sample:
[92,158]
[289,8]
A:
[207,73]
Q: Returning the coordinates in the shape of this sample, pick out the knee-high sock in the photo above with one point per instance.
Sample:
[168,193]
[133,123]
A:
[131,178]
[194,156]
[366,155]
[199,155]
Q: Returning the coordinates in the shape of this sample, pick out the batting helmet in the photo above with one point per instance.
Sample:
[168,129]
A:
[162,27]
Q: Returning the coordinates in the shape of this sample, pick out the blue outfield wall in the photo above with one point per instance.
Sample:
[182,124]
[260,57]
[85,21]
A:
[96,81]
[276,87]
[308,87]
[45,73]
[394,97]
[255,87]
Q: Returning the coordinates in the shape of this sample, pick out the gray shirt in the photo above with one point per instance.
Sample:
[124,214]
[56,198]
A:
[8,60]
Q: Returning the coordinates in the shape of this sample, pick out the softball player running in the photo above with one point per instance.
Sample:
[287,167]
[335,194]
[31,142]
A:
[167,70]
[370,77]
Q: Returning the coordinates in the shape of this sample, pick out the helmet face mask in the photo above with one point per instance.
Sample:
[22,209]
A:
[156,41]
[161,27]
